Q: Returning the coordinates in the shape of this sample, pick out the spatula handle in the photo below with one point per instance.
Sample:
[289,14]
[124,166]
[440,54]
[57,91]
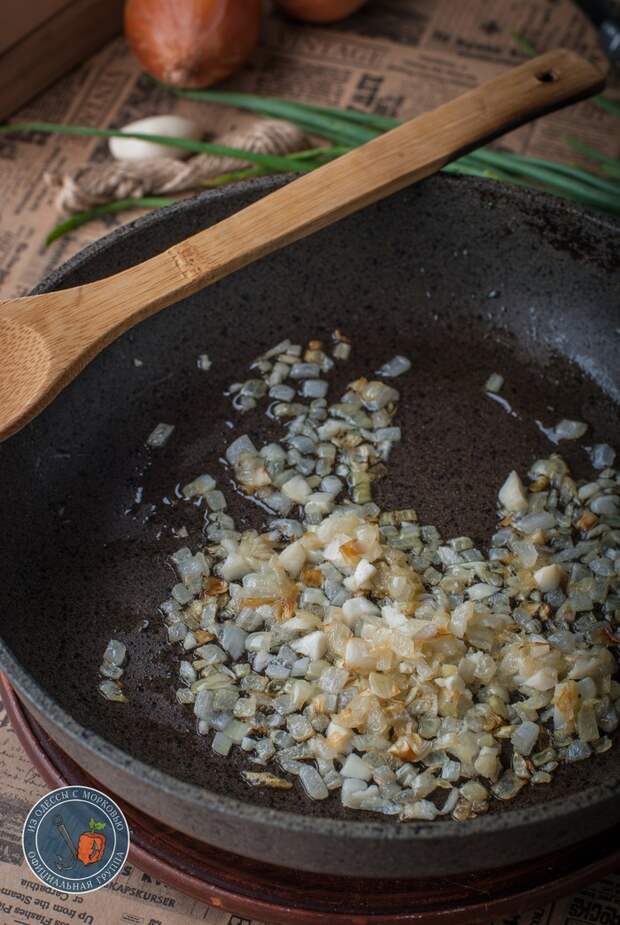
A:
[412,151]
[47,339]
[408,153]
[404,155]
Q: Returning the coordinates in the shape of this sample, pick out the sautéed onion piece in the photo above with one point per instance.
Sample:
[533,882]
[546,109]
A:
[354,649]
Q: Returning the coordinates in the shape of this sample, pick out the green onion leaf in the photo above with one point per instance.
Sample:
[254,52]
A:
[272,161]
[608,105]
[108,208]
[372,120]
[610,166]
[524,44]
[328,126]
[545,171]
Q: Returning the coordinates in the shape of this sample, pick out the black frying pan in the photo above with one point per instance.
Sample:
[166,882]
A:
[466,278]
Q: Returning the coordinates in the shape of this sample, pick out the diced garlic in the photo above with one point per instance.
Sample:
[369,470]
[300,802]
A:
[355,767]
[297,489]
[360,649]
[549,577]
[238,447]
[480,591]
[313,783]
[357,607]
[221,744]
[524,737]
[314,645]
[512,495]
[293,558]
[494,383]
[352,791]
[393,617]
[569,430]
[234,567]
[361,577]
[357,656]
[605,505]
[199,486]
[543,680]
[421,809]
[462,615]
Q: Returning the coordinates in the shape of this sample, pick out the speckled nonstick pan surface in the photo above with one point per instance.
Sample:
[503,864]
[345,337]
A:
[465,277]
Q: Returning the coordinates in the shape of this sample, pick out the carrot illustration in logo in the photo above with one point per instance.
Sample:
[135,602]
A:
[91,844]
[74,834]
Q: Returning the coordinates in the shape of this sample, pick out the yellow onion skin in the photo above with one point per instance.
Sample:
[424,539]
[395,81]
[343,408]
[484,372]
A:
[318,11]
[192,43]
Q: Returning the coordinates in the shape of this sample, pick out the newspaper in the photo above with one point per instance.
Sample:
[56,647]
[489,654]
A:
[134,898]
[397,58]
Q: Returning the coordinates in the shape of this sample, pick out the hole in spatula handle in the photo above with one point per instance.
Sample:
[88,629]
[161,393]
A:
[547,77]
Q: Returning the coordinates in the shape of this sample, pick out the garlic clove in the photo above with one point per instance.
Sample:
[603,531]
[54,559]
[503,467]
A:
[135,149]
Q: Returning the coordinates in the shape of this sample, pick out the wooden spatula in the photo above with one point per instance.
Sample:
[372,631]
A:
[46,340]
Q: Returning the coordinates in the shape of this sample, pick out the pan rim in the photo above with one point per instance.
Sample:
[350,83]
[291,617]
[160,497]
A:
[514,818]
[264,185]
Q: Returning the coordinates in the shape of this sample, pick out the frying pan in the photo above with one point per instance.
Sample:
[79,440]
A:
[465,277]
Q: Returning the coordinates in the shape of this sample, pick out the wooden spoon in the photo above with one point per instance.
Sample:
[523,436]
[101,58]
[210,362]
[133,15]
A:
[46,340]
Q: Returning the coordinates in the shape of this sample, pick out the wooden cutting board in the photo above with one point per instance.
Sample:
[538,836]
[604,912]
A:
[42,39]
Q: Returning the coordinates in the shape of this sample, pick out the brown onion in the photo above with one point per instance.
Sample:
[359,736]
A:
[192,43]
[320,10]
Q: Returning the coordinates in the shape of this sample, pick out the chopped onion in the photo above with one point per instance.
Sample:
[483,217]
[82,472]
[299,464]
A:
[356,768]
[221,744]
[376,395]
[238,447]
[549,577]
[602,455]
[569,430]
[606,505]
[352,788]
[112,691]
[524,737]
[199,486]
[314,388]
[512,494]
[394,367]
[361,650]
[304,371]
[531,523]
[314,645]
[494,383]
[160,435]
[115,653]
[313,783]
[215,500]
[297,489]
